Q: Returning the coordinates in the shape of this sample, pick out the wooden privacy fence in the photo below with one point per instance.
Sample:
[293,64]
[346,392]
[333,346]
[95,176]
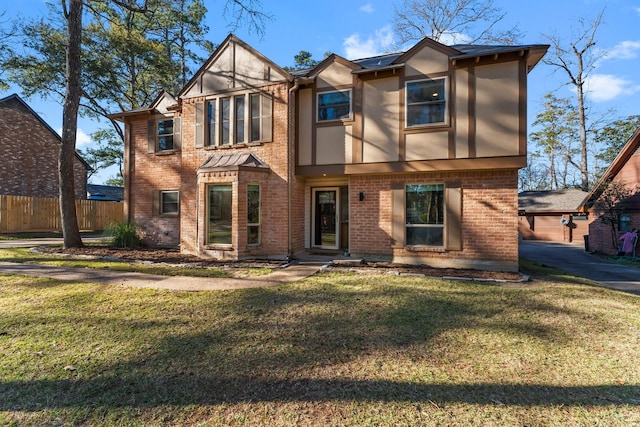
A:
[24,214]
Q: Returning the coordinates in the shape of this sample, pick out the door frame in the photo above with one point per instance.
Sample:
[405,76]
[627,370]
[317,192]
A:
[314,190]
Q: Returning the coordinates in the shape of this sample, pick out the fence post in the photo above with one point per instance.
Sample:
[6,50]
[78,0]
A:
[3,214]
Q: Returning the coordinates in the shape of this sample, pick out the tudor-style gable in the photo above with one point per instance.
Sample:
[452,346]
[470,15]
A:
[234,65]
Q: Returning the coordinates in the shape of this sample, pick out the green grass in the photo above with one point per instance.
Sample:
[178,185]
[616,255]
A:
[23,255]
[334,349]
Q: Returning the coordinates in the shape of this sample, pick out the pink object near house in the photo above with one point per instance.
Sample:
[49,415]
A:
[625,168]
[410,157]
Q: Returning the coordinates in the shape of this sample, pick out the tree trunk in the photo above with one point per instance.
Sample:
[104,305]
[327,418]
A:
[70,230]
[584,170]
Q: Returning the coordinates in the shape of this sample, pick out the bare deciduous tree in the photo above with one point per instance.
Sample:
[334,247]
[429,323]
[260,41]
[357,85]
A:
[577,58]
[452,21]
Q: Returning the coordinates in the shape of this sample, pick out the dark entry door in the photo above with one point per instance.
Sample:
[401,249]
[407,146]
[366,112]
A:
[326,224]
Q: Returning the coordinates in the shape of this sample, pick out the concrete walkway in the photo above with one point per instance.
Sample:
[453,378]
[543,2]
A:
[572,258]
[291,273]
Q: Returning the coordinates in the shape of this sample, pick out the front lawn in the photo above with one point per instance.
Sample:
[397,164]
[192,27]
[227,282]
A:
[334,349]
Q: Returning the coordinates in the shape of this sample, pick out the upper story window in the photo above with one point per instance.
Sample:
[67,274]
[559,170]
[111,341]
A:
[165,135]
[426,102]
[334,105]
[238,119]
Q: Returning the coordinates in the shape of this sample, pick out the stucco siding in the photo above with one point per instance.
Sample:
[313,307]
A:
[335,75]
[333,145]
[462,115]
[427,146]
[381,129]
[497,112]
[305,123]
[426,62]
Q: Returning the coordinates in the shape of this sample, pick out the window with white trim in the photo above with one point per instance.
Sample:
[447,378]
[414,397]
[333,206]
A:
[424,216]
[334,105]
[169,202]
[426,102]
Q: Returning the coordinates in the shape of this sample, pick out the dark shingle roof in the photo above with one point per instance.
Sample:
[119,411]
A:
[379,61]
[568,200]
[105,192]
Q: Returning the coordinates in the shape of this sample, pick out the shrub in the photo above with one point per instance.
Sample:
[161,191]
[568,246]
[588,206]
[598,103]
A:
[123,235]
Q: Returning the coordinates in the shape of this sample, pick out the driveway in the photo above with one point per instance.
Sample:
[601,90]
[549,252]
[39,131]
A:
[572,258]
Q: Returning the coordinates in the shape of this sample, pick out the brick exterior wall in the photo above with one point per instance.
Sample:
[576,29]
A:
[601,239]
[150,173]
[153,172]
[29,165]
[489,220]
[549,227]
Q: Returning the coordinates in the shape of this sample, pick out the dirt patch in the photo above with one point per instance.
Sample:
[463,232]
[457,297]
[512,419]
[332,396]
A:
[166,256]
[173,256]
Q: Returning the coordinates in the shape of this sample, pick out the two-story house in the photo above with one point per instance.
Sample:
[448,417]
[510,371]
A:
[411,157]
[29,164]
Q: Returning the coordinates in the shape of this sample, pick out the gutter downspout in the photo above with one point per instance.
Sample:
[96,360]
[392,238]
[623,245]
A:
[291,112]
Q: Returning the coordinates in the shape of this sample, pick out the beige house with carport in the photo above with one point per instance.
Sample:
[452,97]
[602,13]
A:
[409,157]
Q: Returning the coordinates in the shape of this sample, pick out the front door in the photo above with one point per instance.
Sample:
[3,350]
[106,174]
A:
[326,225]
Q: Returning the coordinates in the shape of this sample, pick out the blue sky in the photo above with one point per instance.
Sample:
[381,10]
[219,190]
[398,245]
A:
[357,29]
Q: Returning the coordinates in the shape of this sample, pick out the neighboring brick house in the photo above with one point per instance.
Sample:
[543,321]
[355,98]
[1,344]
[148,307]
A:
[552,215]
[626,169]
[29,164]
[410,157]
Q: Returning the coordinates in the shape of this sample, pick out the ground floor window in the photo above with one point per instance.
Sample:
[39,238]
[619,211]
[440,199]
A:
[424,216]
[169,202]
[253,214]
[219,202]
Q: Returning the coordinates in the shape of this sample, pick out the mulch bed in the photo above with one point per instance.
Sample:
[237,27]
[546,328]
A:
[173,256]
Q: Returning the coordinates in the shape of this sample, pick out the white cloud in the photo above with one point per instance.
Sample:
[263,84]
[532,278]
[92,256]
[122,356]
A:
[355,48]
[81,137]
[637,10]
[605,87]
[367,8]
[454,38]
[627,49]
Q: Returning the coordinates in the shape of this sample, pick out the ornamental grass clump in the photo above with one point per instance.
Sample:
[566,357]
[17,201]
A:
[123,235]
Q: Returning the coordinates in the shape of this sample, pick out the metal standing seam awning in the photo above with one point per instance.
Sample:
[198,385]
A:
[233,162]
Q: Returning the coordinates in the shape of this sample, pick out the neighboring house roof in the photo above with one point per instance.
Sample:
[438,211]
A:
[630,147]
[105,192]
[557,201]
[233,161]
[41,120]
